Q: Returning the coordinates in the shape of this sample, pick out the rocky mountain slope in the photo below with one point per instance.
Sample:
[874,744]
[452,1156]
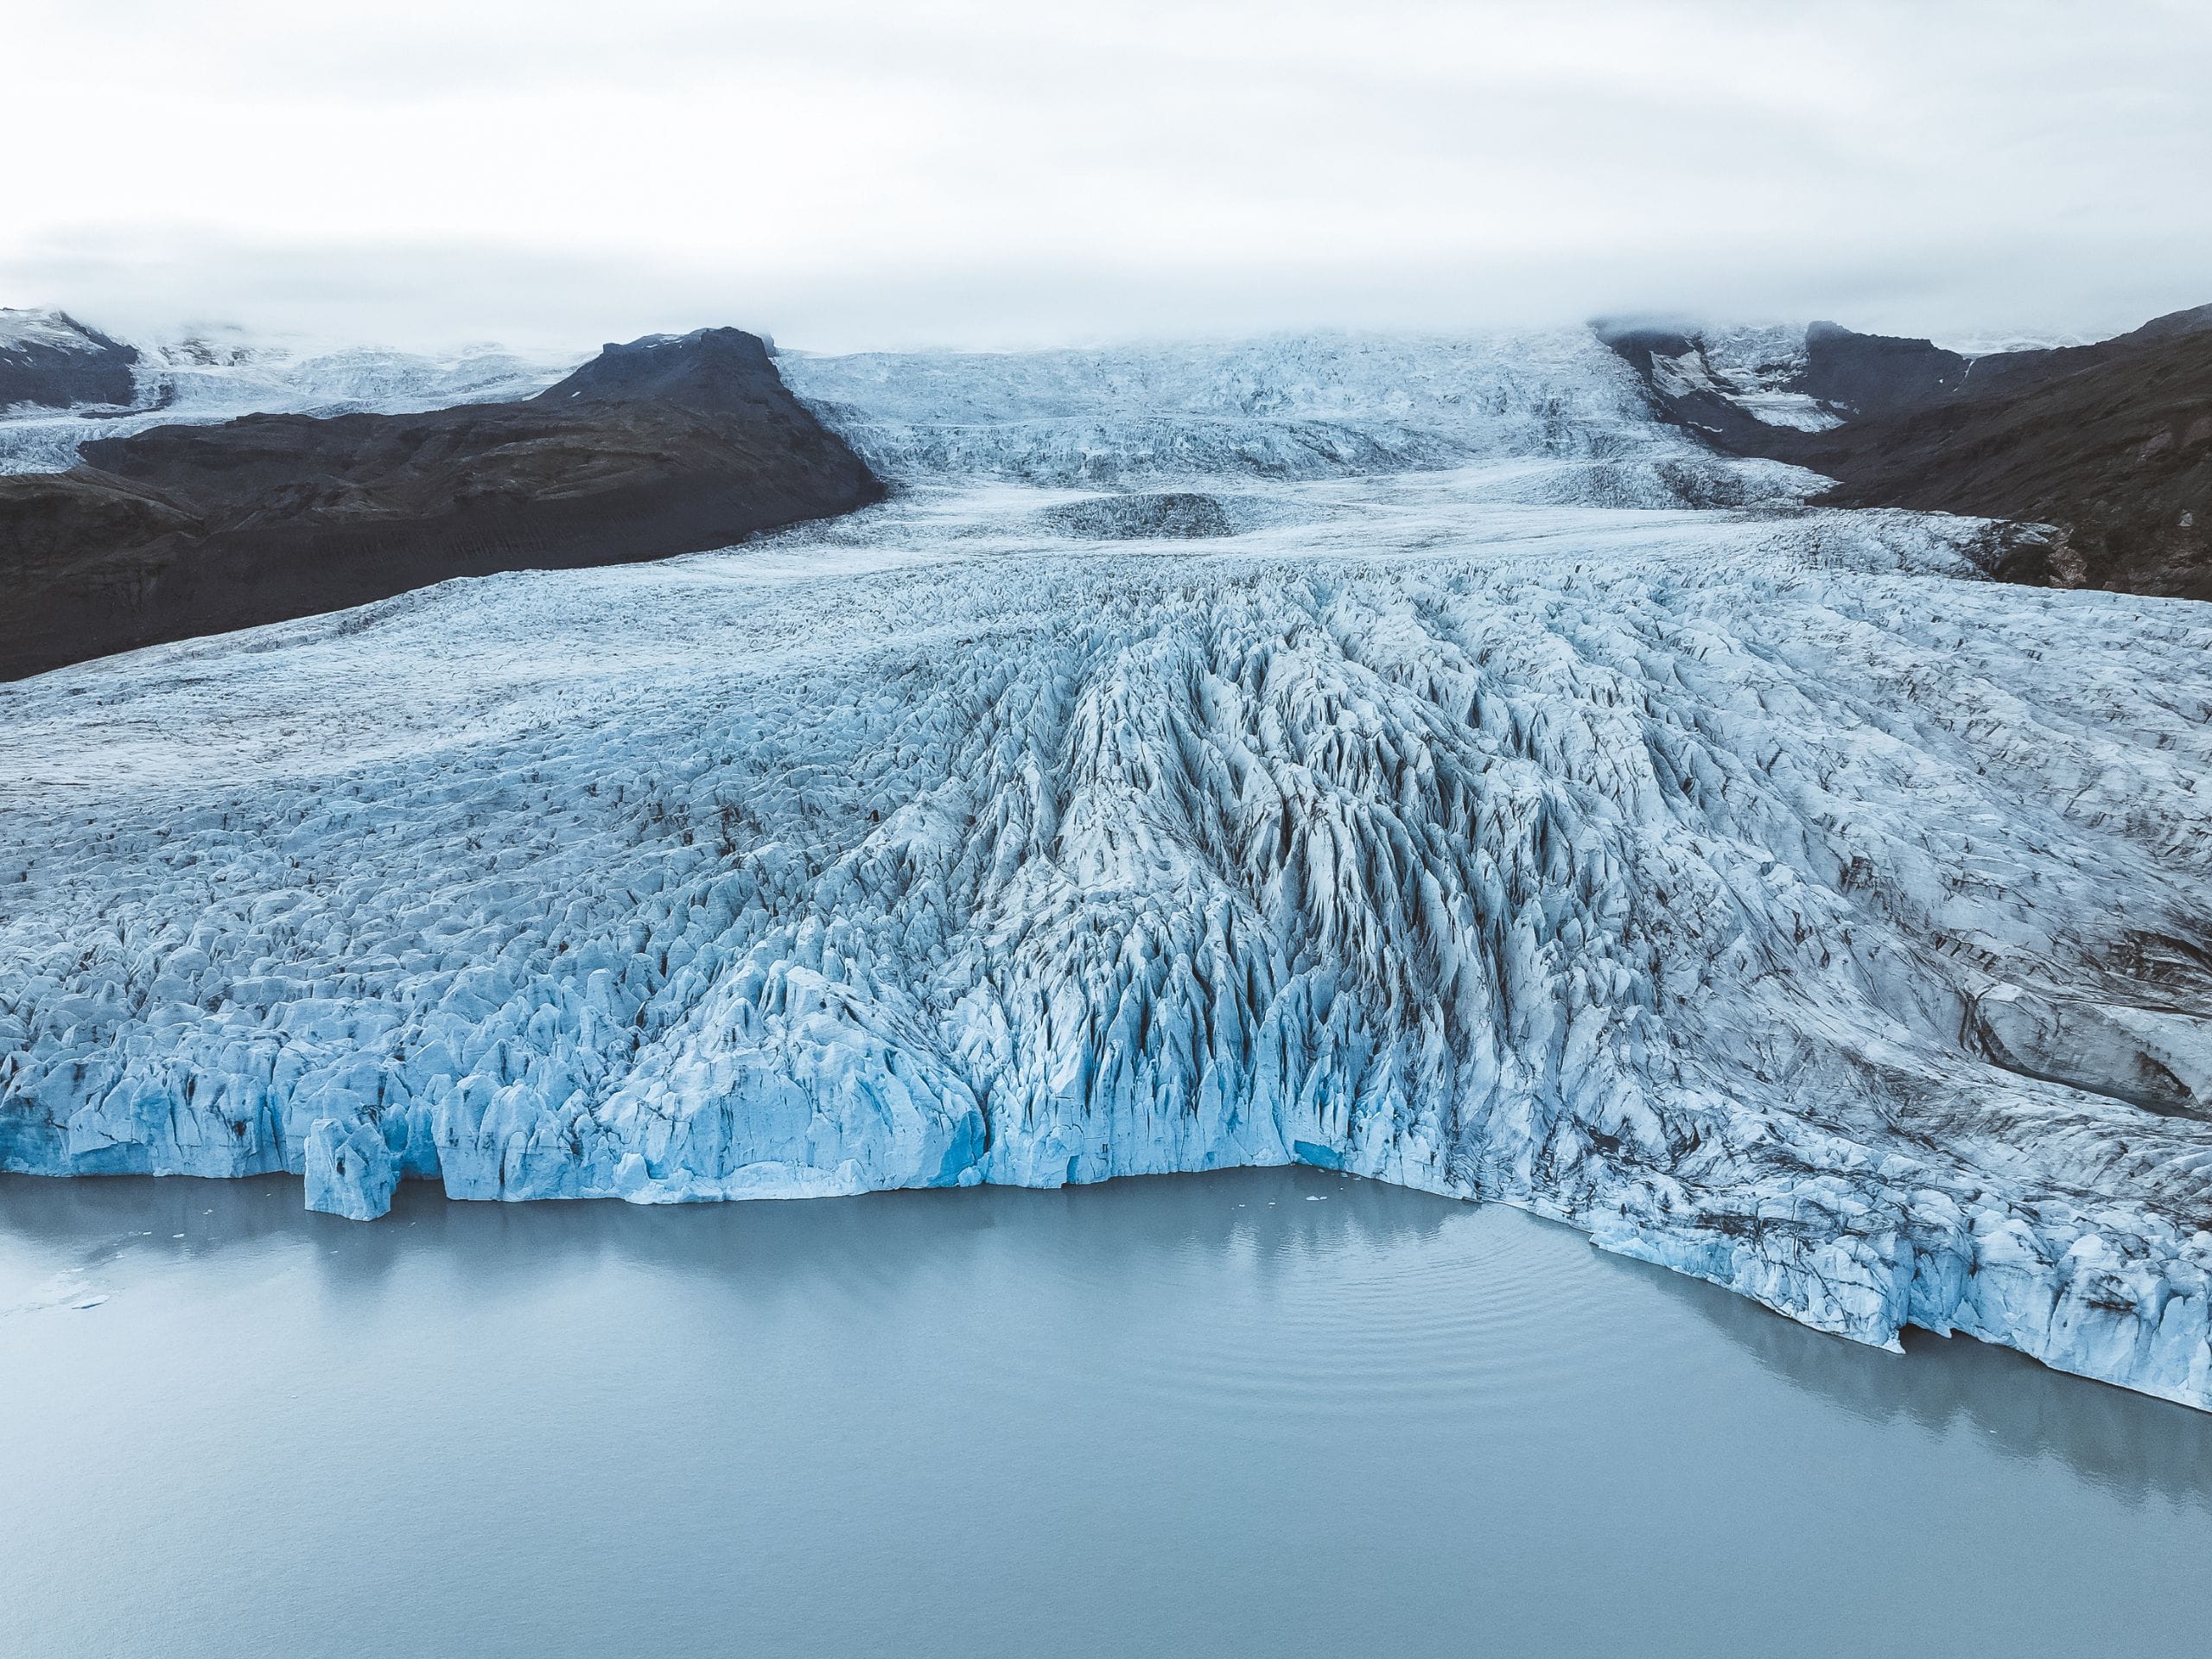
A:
[2110,445]
[668,445]
[50,359]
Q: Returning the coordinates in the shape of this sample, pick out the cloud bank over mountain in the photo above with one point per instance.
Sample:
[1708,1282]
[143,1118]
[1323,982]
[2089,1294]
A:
[860,174]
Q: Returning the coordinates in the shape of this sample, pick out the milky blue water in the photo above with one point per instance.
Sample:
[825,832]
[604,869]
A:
[1257,1413]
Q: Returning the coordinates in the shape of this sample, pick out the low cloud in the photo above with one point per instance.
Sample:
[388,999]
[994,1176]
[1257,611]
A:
[862,175]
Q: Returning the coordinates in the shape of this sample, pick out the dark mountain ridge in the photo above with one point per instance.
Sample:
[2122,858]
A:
[667,445]
[2110,444]
[50,359]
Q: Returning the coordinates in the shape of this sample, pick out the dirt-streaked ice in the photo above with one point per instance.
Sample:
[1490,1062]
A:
[1448,802]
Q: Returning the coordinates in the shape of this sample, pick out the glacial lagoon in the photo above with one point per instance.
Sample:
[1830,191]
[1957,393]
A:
[1260,1412]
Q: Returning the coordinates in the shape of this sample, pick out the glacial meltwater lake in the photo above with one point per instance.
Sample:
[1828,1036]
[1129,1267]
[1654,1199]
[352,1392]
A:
[1266,1412]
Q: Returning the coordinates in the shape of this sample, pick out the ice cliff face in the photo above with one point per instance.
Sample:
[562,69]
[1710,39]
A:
[1389,772]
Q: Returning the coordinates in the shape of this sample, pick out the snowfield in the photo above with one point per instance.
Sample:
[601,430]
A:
[1399,756]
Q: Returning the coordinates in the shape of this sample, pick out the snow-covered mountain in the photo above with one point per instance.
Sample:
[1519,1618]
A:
[1761,372]
[50,360]
[24,328]
[1730,383]
[1327,750]
[219,377]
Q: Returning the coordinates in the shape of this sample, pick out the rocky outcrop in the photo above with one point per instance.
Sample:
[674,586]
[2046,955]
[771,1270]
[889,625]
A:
[668,445]
[2109,445]
[1871,376]
[50,359]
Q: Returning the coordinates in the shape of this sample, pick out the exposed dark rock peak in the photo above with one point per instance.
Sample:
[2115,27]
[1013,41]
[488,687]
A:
[1639,342]
[666,446]
[49,359]
[1869,376]
[1731,384]
[706,369]
[1650,349]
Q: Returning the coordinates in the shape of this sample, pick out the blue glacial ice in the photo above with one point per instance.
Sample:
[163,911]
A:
[1488,792]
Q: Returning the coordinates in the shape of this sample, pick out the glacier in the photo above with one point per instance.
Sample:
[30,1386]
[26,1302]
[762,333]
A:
[1404,756]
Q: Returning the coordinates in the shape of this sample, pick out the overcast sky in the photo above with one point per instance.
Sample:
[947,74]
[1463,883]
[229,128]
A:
[856,173]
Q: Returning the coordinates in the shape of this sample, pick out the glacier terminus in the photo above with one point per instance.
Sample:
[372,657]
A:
[1406,756]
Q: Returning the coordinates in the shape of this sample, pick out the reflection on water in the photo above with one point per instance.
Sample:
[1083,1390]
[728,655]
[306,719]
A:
[873,1234]
[777,1250]
[2129,1444]
[1263,1411]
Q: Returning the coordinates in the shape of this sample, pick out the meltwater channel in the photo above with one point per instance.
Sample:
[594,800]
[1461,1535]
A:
[1261,1412]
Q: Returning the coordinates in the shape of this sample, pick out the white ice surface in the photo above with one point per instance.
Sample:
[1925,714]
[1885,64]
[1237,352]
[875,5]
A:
[1753,888]
[1756,369]
[49,329]
[1277,409]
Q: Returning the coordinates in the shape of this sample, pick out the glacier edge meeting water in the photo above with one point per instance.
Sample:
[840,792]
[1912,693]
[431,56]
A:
[1487,792]
[1255,1412]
